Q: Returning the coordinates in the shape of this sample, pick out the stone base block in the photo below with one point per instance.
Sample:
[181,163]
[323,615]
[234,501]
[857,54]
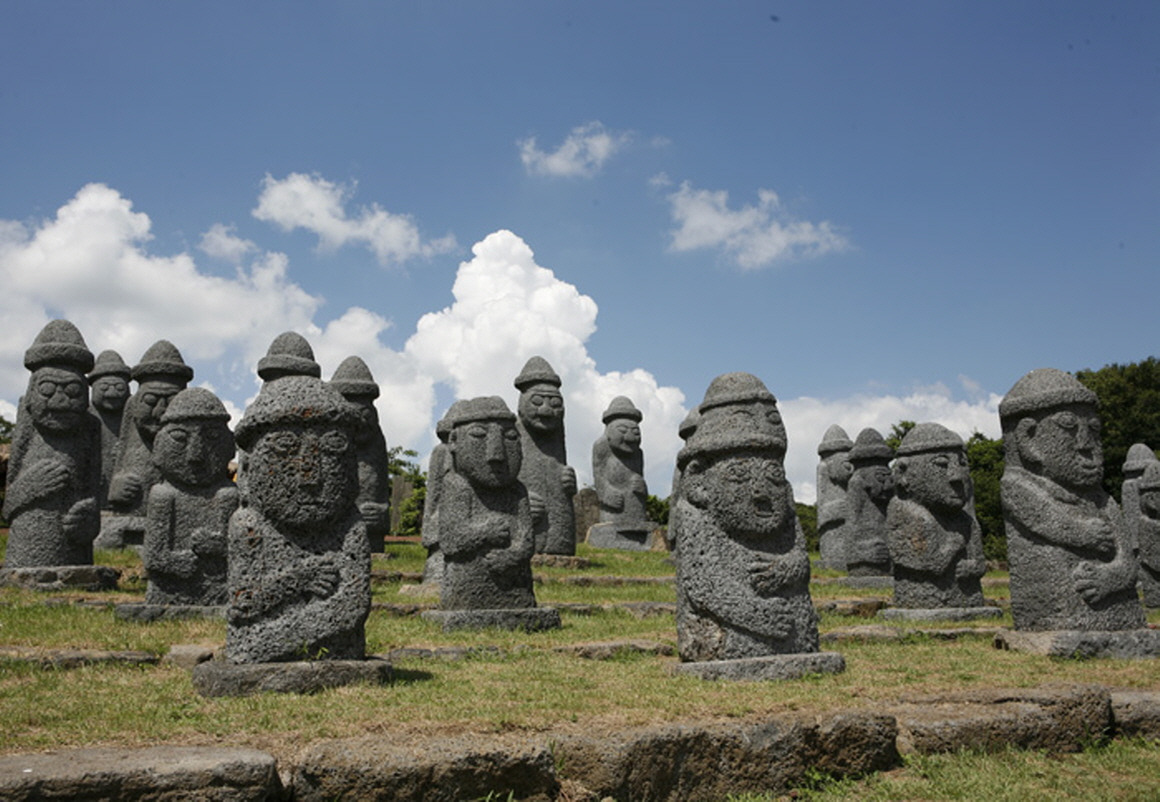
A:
[531,619]
[62,577]
[606,536]
[939,613]
[1126,644]
[120,532]
[868,581]
[137,611]
[219,678]
[773,667]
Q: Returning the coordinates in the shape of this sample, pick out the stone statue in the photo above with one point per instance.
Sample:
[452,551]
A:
[936,544]
[618,470]
[545,471]
[299,559]
[189,511]
[109,388]
[438,466]
[54,466]
[160,375]
[354,380]
[834,471]
[1070,560]
[1148,532]
[288,355]
[742,568]
[870,489]
[1139,458]
[684,430]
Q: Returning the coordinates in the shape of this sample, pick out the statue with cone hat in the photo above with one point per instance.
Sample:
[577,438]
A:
[109,390]
[354,380]
[870,488]
[618,473]
[834,472]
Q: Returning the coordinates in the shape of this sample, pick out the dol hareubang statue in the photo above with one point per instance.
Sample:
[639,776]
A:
[618,471]
[834,471]
[354,380]
[109,388]
[870,489]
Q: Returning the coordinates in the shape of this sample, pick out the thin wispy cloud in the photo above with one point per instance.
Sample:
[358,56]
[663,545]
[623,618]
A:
[581,155]
[312,203]
[752,236]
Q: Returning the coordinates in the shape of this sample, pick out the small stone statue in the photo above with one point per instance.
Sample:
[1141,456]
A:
[618,470]
[160,375]
[1148,531]
[1070,560]
[299,560]
[54,467]
[189,511]
[109,387]
[438,466]
[545,471]
[1139,458]
[354,380]
[834,471]
[870,489]
[936,544]
[742,568]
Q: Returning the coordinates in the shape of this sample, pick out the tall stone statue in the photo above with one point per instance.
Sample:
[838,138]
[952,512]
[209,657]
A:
[618,471]
[485,525]
[189,510]
[299,559]
[1148,534]
[545,471]
[742,568]
[438,466]
[870,489]
[354,380]
[160,375]
[109,388]
[1070,560]
[834,471]
[1139,458]
[54,467]
[936,544]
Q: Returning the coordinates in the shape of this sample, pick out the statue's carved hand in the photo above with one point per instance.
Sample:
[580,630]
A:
[243,605]
[46,477]
[375,515]
[766,577]
[1103,538]
[322,576]
[207,542]
[538,506]
[1087,582]
[969,568]
[568,480]
[82,518]
[126,488]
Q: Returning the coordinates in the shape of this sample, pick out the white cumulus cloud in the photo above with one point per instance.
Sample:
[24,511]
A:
[752,236]
[220,242]
[581,155]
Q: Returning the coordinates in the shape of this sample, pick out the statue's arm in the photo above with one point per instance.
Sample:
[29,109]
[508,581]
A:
[1035,510]
[158,553]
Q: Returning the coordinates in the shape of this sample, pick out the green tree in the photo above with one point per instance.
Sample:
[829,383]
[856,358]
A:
[6,428]
[808,517]
[1129,409]
[898,431]
[657,509]
[400,465]
[985,461]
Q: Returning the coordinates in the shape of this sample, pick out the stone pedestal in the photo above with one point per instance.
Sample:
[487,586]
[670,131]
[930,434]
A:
[939,613]
[1125,644]
[530,619]
[62,577]
[136,611]
[607,536]
[868,581]
[773,667]
[219,678]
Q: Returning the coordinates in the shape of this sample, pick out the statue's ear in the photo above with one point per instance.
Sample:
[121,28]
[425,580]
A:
[1025,441]
[693,483]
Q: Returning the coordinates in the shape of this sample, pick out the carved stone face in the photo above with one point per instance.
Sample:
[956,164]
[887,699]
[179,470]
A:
[148,404]
[747,494]
[302,476]
[193,452]
[1064,446]
[57,399]
[541,408]
[878,481]
[487,453]
[110,393]
[840,469]
[623,435]
[938,480]
[368,415]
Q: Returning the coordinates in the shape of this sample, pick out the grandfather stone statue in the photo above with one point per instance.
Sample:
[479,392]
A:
[54,467]
[438,466]
[545,472]
[936,544]
[870,489]
[189,511]
[685,430]
[160,375]
[288,355]
[109,388]
[834,471]
[485,524]
[1148,532]
[354,380]
[742,568]
[618,470]
[299,560]
[1070,560]
[1139,458]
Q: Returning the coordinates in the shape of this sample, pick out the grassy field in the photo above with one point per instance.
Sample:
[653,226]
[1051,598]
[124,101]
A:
[516,681]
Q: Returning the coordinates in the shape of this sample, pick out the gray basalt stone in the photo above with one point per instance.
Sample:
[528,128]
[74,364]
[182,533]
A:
[54,466]
[774,667]
[217,678]
[742,568]
[833,479]
[618,472]
[299,560]
[544,470]
[1148,534]
[1071,564]
[188,514]
[288,355]
[62,577]
[1122,644]
[354,380]
[160,375]
[939,613]
[1136,713]
[871,487]
[109,391]
[1140,456]
[438,466]
[936,545]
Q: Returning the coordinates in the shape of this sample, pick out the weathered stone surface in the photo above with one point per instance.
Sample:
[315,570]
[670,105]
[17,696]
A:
[862,582]
[560,561]
[940,613]
[75,658]
[1064,719]
[1125,644]
[109,390]
[607,650]
[54,465]
[157,774]
[618,472]
[862,608]
[834,471]
[354,380]
[437,770]
[586,508]
[1136,713]
[63,577]
[438,466]
[220,678]
[870,489]
[188,655]
[882,633]
[529,619]
[544,470]
[772,667]
[134,611]
[1148,533]
[1072,566]
[1139,457]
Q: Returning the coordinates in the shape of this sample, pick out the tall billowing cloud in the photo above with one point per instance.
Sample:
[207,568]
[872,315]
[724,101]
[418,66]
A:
[312,203]
[752,236]
[581,155]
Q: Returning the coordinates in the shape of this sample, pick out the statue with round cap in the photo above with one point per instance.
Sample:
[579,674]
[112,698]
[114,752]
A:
[1148,534]
[354,380]
[618,472]
[870,489]
[834,471]
[438,466]
[1139,457]
[109,391]
[54,465]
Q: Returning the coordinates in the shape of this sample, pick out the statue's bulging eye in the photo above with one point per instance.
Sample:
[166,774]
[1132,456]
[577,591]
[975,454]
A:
[334,442]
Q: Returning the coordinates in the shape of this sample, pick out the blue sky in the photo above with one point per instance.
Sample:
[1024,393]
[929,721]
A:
[884,210]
